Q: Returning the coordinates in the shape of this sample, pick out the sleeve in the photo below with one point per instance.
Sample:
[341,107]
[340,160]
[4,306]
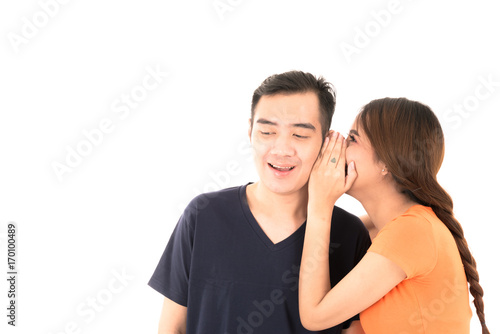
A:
[409,242]
[171,276]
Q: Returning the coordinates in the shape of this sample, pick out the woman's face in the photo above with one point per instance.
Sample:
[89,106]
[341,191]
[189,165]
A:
[368,167]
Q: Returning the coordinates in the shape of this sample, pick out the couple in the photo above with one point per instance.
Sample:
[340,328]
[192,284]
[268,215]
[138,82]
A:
[247,262]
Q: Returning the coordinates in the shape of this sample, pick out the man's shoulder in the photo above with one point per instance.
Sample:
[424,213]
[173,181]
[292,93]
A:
[215,199]
[222,194]
[344,219]
[339,213]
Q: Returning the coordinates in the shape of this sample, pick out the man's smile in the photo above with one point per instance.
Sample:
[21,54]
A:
[281,168]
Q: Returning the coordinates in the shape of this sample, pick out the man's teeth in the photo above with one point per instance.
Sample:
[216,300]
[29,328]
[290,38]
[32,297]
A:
[282,168]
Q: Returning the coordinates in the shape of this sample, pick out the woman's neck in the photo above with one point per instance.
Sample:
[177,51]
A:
[385,206]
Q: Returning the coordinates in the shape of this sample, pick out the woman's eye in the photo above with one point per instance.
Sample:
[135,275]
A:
[351,138]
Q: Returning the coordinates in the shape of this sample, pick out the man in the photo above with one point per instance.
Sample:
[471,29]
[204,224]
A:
[232,263]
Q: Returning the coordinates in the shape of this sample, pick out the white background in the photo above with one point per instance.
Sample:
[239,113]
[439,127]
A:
[115,210]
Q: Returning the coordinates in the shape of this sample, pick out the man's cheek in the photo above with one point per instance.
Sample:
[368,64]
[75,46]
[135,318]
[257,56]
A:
[258,147]
[308,165]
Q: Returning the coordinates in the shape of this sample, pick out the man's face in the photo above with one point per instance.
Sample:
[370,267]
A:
[286,139]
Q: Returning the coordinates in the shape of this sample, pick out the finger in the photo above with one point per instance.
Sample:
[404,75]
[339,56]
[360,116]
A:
[335,153]
[329,148]
[342,154]
[322,151]
[325,145]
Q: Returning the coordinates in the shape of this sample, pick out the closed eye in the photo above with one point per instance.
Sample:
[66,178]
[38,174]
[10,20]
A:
[299,136]
[350,139]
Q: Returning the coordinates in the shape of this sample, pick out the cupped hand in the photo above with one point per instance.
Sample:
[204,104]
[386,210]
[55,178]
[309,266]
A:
[328,179]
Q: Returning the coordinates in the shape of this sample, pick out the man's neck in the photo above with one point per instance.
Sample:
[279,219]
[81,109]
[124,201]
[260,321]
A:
[291,207]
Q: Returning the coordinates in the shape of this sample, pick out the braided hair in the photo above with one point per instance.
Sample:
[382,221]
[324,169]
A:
[413,154]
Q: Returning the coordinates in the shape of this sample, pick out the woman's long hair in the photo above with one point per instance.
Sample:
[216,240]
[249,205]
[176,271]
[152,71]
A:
[407,137]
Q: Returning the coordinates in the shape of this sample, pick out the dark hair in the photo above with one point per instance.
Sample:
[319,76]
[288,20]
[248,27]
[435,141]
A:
[407,137]
[300,82]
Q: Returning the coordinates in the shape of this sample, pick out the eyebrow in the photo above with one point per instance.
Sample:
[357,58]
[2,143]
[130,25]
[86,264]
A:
[354,132]
[295,125]
[304,126]
[265,122]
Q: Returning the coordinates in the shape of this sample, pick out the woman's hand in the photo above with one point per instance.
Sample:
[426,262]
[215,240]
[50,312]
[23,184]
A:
[327,183]
[328,179]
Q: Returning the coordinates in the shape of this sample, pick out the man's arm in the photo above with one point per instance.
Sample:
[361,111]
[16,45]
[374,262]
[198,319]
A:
[355,328]
[173,318]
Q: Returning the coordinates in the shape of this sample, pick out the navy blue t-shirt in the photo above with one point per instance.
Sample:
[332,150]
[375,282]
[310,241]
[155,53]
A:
[233,278]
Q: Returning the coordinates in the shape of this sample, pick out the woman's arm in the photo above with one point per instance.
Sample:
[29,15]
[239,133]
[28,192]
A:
[370,280]
[320,306]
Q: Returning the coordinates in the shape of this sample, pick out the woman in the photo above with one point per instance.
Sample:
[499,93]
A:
[414,277]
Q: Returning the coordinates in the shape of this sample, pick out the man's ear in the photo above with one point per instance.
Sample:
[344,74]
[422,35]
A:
[250,129]
[327,135]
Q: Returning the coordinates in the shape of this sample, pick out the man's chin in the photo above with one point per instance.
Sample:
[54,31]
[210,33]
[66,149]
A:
[284,188]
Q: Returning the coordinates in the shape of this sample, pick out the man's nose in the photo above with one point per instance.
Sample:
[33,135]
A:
[283,145]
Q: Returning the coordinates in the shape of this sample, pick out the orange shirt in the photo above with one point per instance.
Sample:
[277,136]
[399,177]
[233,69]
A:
[434,298]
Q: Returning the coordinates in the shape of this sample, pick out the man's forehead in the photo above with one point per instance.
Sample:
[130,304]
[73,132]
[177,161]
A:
[289,108]
[308,95]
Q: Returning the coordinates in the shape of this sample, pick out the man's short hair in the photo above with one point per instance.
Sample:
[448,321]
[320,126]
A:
[300,82]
